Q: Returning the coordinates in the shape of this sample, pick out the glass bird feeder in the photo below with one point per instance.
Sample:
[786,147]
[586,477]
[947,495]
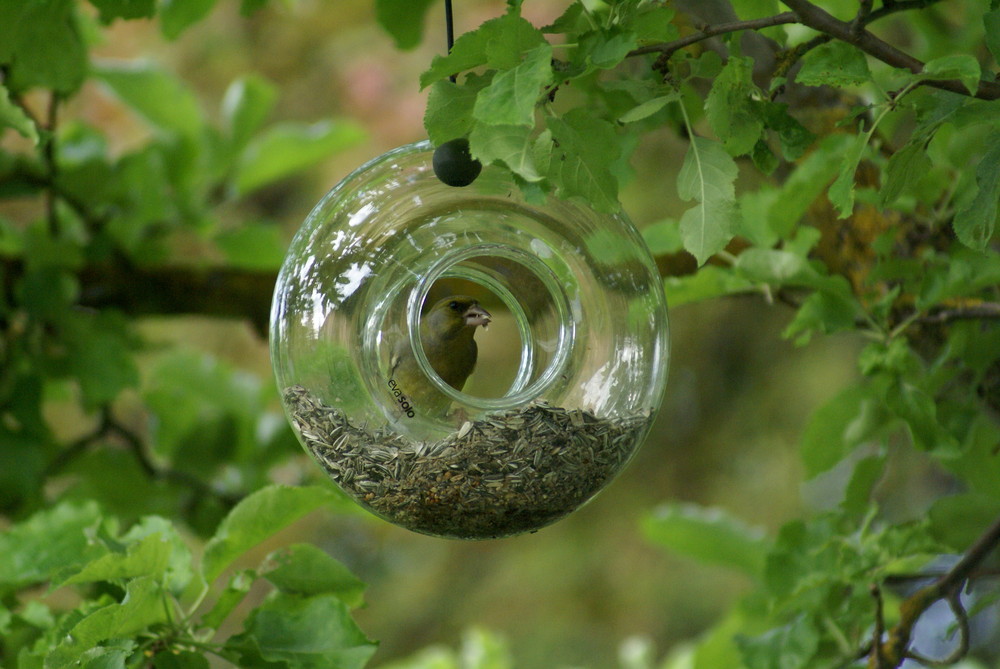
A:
[569,372]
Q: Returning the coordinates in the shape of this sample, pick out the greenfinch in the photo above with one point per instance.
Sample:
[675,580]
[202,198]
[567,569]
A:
[447,333]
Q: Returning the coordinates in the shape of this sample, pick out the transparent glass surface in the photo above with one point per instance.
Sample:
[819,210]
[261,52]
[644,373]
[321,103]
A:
[568,373]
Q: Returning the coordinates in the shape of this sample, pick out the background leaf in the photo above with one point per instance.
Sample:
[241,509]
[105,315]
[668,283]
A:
[707,535]
[975,223]
[289,147]
[403,19]
[256,518]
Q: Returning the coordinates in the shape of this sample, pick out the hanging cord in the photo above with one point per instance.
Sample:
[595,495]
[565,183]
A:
[449,28]
[449,24]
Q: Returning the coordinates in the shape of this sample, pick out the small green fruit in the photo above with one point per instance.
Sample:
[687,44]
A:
[454,165]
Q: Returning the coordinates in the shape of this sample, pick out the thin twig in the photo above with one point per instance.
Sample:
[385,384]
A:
[49,156]
[713,31]
[145,462]
[864,11]
[78,447]
[983,311]
[879,630]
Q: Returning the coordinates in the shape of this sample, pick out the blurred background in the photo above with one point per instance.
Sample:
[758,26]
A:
[737,398]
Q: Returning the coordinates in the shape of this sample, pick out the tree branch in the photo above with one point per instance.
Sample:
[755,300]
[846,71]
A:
[213,291]
[853,32]
[983,311]
[225,292]
[668,48]
[895,649]
[818,19]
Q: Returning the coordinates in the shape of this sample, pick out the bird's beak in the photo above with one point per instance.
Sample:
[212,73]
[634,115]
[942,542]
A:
[476,315]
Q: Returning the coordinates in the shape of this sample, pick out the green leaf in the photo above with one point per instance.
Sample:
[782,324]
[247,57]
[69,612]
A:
[730,108]
[157,96]
[99,353]
[991,21]
[648,108]
[512,145]
[905,169]
[585,149]
[179,570]
[841,192]
[918,410]
[498,43]
[805,184]
[707,535]
[229,598]
[308,632]
[654,24]
[12,116]
[603,50]
[974,224]
[110,655]
[178,15]
[152,547]
[707,228]
[180,659]
[248,7]
[109,10]
[48,542]
[287,148]
[403,19]
[257,517]
[257,247]
[835,63]
[755,9]
[707,175]
[707,283]
[482,649]
[838,427]
[663,237]
[41,45]
[247,103]
[449,111]
[958,520]
[304,569]
[792,135]
[858,493]
[963,67]
[831,309]
[142,607]
[147,557]
[788,647]
[511,97]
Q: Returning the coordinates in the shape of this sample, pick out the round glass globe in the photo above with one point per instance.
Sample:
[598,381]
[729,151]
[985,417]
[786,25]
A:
[569,372]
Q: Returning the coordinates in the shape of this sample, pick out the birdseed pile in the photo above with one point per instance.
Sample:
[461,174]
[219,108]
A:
[504,473]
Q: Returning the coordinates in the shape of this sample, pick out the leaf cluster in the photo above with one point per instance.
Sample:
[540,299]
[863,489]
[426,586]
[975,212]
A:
[142,599]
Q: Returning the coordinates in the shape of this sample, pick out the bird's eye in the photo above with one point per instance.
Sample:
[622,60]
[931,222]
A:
[453,304]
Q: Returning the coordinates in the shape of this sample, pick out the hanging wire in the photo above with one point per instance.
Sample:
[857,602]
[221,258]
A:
[449,28]
[449,25]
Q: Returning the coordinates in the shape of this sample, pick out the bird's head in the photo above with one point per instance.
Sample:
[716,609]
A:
[454,314]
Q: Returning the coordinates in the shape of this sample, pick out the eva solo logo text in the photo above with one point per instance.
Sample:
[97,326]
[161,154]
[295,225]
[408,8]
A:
[404,402]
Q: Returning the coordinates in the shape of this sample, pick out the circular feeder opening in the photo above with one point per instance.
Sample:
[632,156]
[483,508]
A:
[532,306]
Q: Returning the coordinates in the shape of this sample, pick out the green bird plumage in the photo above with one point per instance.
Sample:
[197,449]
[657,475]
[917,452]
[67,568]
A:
[447,334]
